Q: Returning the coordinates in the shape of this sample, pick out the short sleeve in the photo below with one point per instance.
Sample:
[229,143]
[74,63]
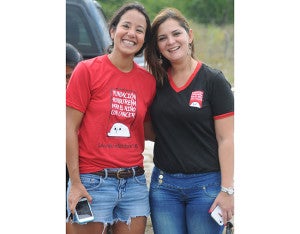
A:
[222,99]
[78,91]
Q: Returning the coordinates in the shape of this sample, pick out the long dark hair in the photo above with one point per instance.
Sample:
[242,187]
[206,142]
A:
[119,13]
[156,62]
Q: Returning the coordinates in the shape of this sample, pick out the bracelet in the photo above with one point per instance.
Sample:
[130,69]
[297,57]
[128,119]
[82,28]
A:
[229,190]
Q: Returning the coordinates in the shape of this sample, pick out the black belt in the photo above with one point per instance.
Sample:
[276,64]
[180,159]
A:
[122,173]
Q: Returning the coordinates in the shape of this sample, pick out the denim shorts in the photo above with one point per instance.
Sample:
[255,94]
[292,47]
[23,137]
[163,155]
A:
[180,202]
[115,199]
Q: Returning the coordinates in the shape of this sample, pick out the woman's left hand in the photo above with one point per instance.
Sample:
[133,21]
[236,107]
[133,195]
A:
[226,203]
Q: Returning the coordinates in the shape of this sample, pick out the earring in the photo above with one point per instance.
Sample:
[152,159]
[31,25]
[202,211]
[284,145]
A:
[190,49]
[160,61]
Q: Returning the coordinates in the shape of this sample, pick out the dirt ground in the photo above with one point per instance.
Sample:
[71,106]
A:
[148,165]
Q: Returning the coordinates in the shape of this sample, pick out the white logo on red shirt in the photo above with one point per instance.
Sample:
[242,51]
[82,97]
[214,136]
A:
[123,112]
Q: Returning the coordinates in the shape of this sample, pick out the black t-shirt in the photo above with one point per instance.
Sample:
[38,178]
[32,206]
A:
[183,121]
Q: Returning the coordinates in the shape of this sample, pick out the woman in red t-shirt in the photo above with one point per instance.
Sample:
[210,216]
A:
[107,104]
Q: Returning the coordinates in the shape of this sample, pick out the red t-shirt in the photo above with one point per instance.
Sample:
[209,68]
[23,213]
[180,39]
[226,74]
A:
[115,106]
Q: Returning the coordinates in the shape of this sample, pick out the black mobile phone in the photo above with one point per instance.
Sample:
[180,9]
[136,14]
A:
[83,211]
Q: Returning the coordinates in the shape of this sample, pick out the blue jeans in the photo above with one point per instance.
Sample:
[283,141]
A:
[116,199]
[179,203]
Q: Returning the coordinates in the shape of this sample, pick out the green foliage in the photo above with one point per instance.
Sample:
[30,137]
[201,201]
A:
[218,12]
[110,6]
[152,8]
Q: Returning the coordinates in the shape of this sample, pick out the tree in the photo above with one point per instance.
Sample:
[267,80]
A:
[218,12]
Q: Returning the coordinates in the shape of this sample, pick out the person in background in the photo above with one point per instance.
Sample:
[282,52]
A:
[73,57]
[107,104]
[192,117]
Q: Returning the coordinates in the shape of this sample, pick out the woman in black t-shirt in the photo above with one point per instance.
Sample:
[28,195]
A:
[192,117]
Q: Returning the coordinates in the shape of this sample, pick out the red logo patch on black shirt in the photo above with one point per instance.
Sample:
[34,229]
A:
[196,99]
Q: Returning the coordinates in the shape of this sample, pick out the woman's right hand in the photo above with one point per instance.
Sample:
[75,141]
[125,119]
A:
[77,191]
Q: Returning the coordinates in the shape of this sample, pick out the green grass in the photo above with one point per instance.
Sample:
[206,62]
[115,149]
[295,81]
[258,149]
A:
[214,45]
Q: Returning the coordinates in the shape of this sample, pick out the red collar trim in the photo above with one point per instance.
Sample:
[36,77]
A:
[192,76]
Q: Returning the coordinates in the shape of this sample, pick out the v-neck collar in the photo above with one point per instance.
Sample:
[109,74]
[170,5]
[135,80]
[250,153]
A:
[190,79]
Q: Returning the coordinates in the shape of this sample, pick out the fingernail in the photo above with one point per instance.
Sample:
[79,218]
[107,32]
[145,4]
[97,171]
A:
[210,211]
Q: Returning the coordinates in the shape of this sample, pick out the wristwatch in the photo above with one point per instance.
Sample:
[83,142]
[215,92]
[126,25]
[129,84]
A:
[229,190]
